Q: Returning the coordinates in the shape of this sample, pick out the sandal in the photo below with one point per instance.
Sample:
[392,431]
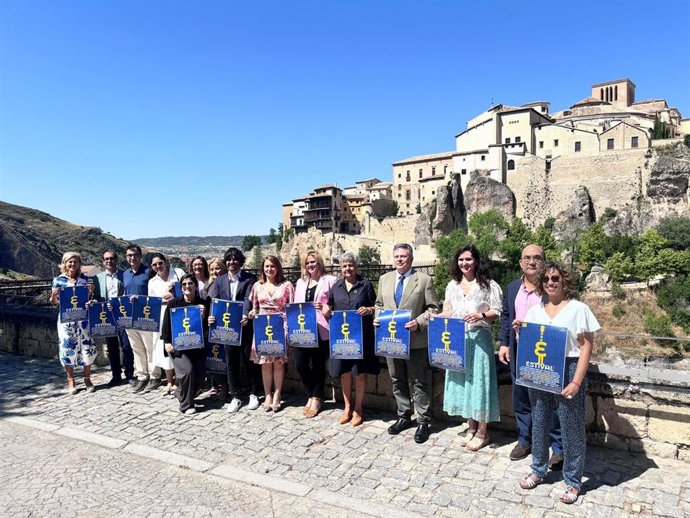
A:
[267,404]
[276,406]
[307,406]
[169,388]
[467,436]
[345,417]
[71,386]
[478,442]
[315,409]
[89,385]
[531,481]
[570,495]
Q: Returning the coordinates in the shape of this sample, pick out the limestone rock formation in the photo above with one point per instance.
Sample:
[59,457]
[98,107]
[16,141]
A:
[669,178]
[483,194]
[598,280]
[443,215]
[577,217]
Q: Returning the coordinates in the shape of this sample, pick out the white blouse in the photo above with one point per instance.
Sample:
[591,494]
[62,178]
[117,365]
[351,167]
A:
[576,317]
[477,300]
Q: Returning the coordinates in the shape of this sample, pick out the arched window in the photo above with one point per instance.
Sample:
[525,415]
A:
[511,165]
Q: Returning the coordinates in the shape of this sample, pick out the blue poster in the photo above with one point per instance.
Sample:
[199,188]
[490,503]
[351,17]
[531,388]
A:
[187,331]
[122,310]
[347,340]
[146,313]
[392,339]
[447,343]
[301,323]
[215,359]
[176,289]
[541,357]
[73,303]
[101,320]
[269,335]
[227,329]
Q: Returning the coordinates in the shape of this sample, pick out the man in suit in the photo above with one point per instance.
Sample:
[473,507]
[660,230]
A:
[408,289]
[237,286]
[107,285]
[521,295]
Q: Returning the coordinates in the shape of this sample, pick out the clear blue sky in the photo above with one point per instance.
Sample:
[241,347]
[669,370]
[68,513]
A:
[150,118]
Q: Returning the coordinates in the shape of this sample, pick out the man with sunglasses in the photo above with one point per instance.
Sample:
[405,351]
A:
[521,295]
[107,285]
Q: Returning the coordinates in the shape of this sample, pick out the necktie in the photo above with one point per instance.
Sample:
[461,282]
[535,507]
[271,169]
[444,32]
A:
[399,291]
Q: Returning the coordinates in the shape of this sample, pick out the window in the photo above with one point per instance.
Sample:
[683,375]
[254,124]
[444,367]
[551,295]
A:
[399,195]
[555,142]
[634,142]
[399,186]
[433,170]
[407,195]
[407,176]
[518,139]
[399,176]
[483,158]
[420,173]
[511,165]
[609,144]
[578,146]
[541,144]
[464,171]
[433,192]
[445,169]
[508,140]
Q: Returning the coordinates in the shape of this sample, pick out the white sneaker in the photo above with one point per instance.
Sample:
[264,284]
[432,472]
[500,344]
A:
[234,405]
[253,402]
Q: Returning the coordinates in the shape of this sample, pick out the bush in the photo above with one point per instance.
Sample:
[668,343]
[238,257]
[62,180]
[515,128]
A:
[659,325]
[686,140]
[618,310]
[617,291]
[674,298]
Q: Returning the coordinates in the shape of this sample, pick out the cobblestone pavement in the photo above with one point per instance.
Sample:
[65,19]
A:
[305,466]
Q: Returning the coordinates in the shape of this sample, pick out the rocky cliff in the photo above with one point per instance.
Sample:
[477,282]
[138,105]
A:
[32,242]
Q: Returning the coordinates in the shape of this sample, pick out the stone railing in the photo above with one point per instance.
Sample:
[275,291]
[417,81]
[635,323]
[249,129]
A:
[641,410]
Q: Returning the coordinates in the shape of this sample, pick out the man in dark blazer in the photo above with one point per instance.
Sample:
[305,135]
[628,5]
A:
[521,295]
[109,284]
[408,289]
[237,286]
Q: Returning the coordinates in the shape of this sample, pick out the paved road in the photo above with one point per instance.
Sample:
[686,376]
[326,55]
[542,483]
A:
[279,463]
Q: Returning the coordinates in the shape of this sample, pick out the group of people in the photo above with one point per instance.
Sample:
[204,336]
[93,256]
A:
[543,295]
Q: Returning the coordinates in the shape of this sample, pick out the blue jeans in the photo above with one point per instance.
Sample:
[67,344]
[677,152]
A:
[571,413]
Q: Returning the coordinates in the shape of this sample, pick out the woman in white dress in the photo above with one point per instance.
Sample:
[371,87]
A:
[161,284]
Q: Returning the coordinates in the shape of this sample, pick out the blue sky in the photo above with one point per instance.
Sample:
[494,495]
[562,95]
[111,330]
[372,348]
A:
[150,118]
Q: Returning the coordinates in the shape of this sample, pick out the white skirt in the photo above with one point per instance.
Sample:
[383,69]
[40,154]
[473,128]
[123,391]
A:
[159,357]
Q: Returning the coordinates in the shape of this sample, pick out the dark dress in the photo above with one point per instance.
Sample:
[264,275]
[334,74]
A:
[190,365]
[361,295]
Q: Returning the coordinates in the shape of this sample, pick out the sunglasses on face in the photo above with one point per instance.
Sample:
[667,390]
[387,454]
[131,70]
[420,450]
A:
[552,278]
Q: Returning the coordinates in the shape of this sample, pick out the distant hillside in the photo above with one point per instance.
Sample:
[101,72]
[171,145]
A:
[168,241]
[32,242]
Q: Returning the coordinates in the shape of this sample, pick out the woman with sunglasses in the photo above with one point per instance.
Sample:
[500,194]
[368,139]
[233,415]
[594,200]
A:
[562,310]
[314,287]
[269,296]
[161,284]
[190,365]
[472,296]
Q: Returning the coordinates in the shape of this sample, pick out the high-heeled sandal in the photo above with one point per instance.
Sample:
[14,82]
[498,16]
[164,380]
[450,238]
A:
[71,386]
[267,404]
[88,384]
[313,412]
[169,389]
[276,406]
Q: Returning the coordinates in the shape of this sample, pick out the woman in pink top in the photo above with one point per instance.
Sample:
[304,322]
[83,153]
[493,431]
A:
[269,296]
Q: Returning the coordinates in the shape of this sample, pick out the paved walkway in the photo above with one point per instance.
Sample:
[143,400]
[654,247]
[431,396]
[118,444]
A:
[254,463]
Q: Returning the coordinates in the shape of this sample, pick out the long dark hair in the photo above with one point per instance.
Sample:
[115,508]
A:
[481,271]
[203,262]
[152,271]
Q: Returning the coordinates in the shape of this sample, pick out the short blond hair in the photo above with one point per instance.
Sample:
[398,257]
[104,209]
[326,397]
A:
[319,262]
[66,257]
[219,262]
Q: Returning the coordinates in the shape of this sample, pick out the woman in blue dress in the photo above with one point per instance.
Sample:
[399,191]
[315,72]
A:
[473,394]
[74,346]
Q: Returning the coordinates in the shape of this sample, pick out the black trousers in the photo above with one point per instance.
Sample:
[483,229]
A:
[237,357]
[114,344]
[311,365]
[190,369]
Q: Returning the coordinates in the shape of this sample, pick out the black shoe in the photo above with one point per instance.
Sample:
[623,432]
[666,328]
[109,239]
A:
[422,433]
[131,381]
[520,452]
[114,382]
[153,384]
[139,386]
[400,425]
[556,462]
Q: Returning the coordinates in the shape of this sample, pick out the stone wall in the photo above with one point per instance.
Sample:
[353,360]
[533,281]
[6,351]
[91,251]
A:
[624,409]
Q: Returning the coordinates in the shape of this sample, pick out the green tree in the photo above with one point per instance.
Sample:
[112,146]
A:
[676,230]
[369,256]
[619,267]
[648,261]
[273,236]
[592,245]
[394,209]
[674,297]
[256,258]
[250,242]
[446,246]
[486,228]
[608,215]
[517,237]
[544,238]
